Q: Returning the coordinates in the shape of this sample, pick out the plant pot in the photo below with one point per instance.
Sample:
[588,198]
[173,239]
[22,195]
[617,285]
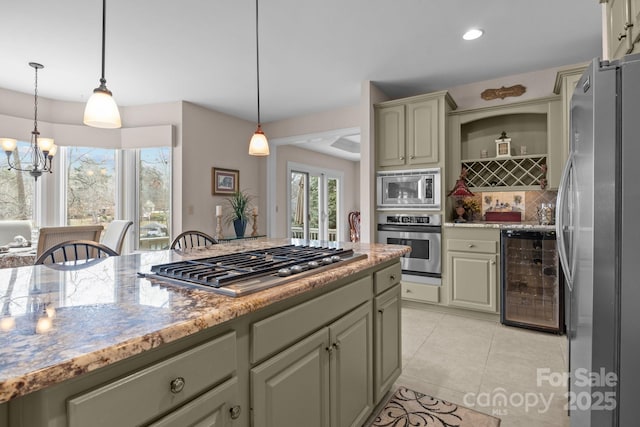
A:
[240,225]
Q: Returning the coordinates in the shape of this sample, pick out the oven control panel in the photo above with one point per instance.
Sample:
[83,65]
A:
[433,219]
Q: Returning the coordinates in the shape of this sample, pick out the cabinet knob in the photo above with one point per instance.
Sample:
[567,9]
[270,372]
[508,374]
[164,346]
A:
[177,385]
[381,311]
[628,25]
[329,349]
[392,277]
[408,291]
[493,263]
[401,157]
[621,36]
[235,412]
[471,245]
[336,345]
[412,157]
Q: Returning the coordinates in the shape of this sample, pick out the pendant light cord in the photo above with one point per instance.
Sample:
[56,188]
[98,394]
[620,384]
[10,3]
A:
[104,13]
[257,63]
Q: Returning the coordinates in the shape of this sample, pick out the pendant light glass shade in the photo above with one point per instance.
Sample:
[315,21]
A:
[259,146]
[101,111]
[8,144]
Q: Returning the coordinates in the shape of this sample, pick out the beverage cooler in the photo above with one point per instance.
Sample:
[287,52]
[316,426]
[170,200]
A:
[532,281]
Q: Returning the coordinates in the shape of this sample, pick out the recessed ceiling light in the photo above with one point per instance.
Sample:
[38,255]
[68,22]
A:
[473,34]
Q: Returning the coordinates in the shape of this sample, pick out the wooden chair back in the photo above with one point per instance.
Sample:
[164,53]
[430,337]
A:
[50,236]
[192,239]
[74,250]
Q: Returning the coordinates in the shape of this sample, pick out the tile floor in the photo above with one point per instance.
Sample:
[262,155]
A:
[480,364]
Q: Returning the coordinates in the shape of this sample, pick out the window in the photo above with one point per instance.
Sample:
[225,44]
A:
[154,197]
[91,185]
[16,188]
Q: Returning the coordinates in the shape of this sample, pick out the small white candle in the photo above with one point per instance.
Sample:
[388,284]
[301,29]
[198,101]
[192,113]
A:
[218,210]
[255,210]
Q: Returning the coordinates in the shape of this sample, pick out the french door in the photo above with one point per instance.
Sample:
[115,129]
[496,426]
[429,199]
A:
[314,210]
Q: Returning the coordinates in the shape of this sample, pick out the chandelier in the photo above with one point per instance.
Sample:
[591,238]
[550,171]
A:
[41,150]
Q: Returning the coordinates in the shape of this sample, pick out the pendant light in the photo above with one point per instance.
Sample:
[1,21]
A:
[101,110]
[259,146]
[41,150]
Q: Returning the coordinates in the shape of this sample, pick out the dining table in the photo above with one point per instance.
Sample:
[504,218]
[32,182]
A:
[18,257]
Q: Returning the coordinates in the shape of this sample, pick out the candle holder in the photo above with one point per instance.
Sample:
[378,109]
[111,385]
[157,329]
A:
[255,225]
[219,227]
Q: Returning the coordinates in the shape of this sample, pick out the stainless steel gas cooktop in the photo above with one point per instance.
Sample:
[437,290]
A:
[242,273]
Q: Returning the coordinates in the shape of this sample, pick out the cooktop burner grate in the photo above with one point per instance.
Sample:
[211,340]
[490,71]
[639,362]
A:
[277,262]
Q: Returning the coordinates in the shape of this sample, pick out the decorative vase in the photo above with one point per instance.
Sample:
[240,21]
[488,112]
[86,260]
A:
[239,226]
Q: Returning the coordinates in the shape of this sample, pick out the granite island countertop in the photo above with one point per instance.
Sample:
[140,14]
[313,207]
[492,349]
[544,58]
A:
[524,225]
[57,324]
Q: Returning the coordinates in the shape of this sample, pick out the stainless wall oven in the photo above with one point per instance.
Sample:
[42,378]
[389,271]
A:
[423,233]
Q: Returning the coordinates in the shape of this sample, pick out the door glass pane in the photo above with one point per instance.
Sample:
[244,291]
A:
[91,185]
[296,222]
[314,207]
[16,188]
[154,189]
[332,208]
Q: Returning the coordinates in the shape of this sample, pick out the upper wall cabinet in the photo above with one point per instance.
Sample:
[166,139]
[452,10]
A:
[535,130]
[566,81]
[623,27]
[410,132]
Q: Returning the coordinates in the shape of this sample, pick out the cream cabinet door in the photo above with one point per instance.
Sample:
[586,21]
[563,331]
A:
[351,339]
[390,136]
[388,350]
[635,20]
[291,389]
[473,280]
[620,42]
[422,132]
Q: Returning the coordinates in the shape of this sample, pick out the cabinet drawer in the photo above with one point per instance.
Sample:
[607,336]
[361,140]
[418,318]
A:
[211,409]
[276,332]
[146,394]
[386,278]
[469,245]
[420,292]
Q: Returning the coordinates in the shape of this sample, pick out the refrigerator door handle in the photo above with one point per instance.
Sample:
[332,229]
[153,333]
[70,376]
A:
[561,227]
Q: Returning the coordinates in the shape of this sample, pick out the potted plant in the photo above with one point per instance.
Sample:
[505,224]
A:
[240,212]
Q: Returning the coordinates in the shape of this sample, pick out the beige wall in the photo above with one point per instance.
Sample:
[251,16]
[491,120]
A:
[289,153]
[538,84]
[215,139]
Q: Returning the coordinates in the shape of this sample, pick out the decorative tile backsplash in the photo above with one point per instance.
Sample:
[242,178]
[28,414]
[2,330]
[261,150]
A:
[526,201]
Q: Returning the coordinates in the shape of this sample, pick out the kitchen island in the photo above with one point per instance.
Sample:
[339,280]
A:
[104,345]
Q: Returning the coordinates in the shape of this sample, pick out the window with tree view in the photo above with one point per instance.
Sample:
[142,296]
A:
[154,191]
[16,188]
[91,185]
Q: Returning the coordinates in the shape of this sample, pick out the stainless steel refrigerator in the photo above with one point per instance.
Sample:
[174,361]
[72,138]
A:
[598,227]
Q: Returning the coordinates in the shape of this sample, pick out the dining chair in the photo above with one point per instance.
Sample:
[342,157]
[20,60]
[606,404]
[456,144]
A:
[50,236]
[75,250]
[114,234]
[192,239]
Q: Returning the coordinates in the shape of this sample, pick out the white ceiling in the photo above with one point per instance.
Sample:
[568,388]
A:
[313,54]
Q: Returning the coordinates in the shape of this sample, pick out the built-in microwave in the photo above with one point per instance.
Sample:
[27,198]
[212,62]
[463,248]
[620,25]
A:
[409,189]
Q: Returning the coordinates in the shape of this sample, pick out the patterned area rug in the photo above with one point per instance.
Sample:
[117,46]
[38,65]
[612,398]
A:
[408,408]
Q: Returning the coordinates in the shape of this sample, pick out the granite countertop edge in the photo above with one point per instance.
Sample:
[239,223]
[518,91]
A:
[212,309]
[501,225]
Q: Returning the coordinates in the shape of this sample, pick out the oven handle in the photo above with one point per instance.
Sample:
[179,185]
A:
[410,228]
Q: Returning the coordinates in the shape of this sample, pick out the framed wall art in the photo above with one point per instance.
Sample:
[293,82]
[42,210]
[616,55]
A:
[224,181]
